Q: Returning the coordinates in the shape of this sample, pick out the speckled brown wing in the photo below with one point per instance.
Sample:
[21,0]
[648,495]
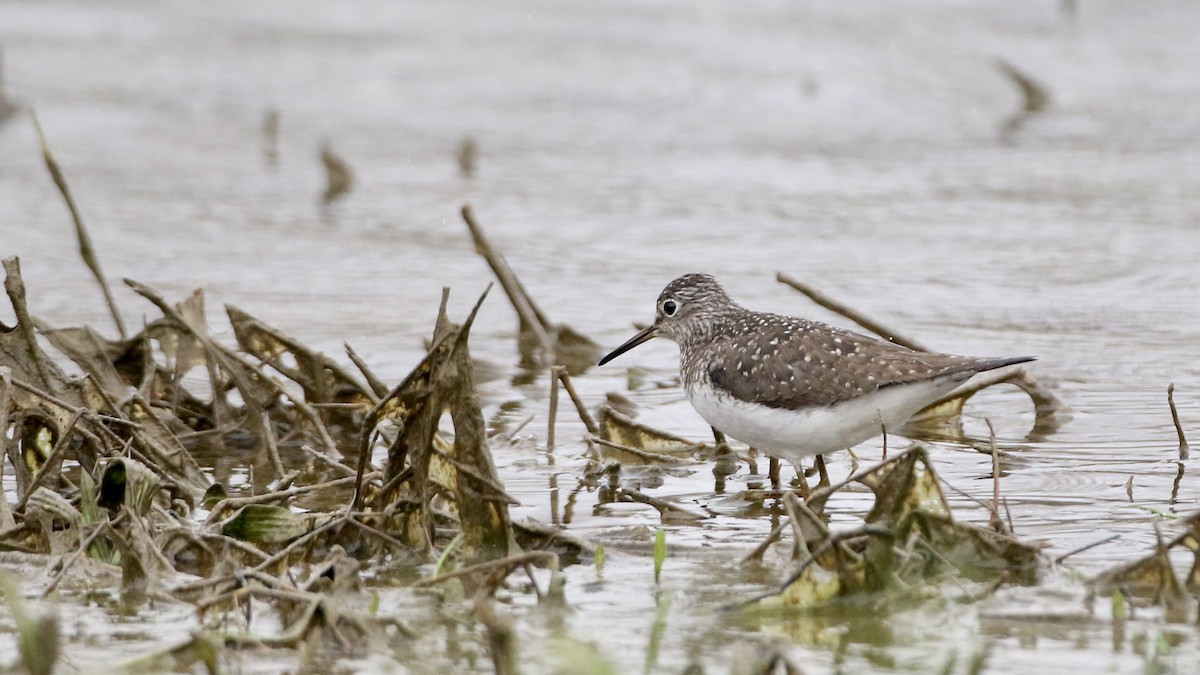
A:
[782,362]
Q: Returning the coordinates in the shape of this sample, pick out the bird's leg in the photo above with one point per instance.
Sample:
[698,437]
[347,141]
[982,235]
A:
[773,473]
[799,482]
[820,462]
[751,459]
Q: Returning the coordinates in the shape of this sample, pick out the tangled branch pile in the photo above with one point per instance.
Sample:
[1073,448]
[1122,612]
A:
[108,479]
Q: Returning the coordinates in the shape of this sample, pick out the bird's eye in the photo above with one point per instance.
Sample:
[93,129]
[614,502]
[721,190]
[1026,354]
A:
[670,307]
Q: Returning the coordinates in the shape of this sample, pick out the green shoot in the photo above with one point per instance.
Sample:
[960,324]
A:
[660,553]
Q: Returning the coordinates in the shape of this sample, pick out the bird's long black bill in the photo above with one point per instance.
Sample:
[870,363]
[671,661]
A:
[646,334]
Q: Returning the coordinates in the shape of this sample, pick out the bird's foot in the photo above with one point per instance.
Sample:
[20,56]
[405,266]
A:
[822,471]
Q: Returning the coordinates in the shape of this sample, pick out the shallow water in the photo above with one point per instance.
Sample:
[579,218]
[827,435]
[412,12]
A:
[858,148]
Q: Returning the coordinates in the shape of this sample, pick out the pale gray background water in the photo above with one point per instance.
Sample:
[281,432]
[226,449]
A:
[854,146]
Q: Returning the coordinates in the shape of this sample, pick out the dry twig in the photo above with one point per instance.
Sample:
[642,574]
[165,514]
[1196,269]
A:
[85,241]
[1184,450]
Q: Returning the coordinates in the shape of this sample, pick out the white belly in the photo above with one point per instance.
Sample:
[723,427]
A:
[793,435]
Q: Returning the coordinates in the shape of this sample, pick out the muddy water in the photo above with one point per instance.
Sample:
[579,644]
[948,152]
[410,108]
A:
[857,148]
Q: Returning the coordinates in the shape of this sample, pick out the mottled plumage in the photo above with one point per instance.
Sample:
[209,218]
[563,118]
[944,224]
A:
[793,387]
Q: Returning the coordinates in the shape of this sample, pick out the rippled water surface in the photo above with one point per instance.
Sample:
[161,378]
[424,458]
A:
[856,146]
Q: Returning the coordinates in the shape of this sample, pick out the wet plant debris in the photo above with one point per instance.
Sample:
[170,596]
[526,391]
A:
[354,488]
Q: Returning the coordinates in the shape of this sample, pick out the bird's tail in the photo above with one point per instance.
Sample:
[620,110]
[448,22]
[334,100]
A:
[981,365]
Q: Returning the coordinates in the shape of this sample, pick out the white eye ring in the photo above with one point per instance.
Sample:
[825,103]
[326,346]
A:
[670,307]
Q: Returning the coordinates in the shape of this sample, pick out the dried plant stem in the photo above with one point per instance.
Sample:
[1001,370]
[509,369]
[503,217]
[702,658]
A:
[267,497]
[584,415]
[272,448]
[1175,485]
[645,455]
[857,317]
[14,286]
[85,241]
[300,404]
[91,416]
[236,578]
[1034,95]
[500,494]
[1085,547]
[776,532]
[554,373]
[292,637]
[235,543]
[664,507]
[5,403]
[799,544]
[962,493]
[301,541]
[328,461]
[531,318]
[512,561]
[830,541]
[994,519]
[379,534]
[81,550]
[373,382]
[1184,450]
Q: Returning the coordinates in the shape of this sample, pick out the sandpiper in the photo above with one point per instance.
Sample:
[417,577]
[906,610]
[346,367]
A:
[790,387]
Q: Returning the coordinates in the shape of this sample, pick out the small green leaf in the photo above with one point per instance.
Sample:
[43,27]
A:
[660,553]
[443,560]
[663,599]
[374,606]
[599,559]
[1118,606]
[265,524]
[88,505]
[37,629]
[213,495]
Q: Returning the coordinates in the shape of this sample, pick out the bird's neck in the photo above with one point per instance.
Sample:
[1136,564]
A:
[696,343]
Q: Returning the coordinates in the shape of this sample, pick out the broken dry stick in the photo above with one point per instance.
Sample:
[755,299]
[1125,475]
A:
[584,415]
[373,382]
[531,318]
[667,511]
[512,562]
[14,285]
[1184,451]
[858,318]
[554,373]
[994,519]
[85,241]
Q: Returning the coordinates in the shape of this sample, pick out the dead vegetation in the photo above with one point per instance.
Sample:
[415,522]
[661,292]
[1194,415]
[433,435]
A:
[112,493]
[909,535]
[106,470]
[1035,100]
[339,179]
[8,107]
